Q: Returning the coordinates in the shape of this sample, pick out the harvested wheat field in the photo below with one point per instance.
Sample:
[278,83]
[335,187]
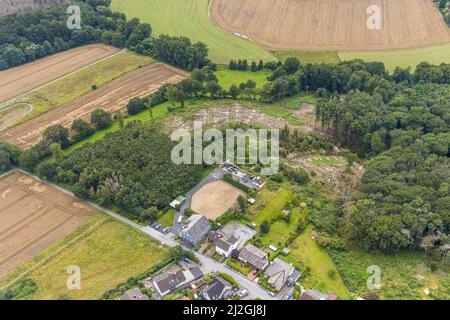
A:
[215,198]
[112,97]
[332,24]
[21,79]
[34,215]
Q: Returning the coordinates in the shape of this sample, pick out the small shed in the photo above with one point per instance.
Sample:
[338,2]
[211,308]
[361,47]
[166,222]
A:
[177,202]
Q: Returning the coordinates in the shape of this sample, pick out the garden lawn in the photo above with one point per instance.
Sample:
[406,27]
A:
[281,231]
[269,204]
[239,266]
[107,252]
[306,254]
[166,219]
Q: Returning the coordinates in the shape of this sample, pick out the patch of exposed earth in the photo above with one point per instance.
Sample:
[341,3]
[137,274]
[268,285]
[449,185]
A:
[234,113]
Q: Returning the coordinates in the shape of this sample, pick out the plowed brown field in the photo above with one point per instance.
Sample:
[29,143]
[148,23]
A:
[111,97]
[34,215]
[21,79]
[332,24]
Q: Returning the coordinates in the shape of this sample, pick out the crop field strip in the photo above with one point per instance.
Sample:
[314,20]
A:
[111,97]
[33,216]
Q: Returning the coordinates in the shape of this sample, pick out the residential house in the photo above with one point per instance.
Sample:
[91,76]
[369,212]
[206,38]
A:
[225,242]
[254,257]
[278,273]
[133,294]
[169,281]
[216,289]
[197,228]
[312,294]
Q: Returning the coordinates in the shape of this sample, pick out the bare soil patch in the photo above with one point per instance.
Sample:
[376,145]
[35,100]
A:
[215,198]
[34,215]
[111,97]
[234,113]
[332,24]
[21,79]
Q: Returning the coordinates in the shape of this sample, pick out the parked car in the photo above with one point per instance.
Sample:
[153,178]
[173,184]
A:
[180,219]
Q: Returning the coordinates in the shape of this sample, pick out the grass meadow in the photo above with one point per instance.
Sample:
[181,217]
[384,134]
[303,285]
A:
[107,252]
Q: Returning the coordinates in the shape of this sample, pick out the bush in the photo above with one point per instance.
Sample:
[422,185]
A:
[46,170]
[28,160]
[229,279]
[57,134]
[265,227]
[229,178]
[81,129]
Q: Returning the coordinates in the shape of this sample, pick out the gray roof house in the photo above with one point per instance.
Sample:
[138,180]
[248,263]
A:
[254,256]
[279,272]
[169,281]
[133,294]
[225,242]
[216,289]
[197,228]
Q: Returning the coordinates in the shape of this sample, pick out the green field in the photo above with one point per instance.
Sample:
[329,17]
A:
[306,57]
[229,77]
[190,18]
[107,252]
[403,58]
[305,254]
[79,83]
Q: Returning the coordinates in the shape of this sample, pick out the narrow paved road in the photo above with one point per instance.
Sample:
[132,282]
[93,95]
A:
[208,264]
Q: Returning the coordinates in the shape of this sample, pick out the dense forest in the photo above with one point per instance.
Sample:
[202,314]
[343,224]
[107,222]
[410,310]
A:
[130,170]
[25,37]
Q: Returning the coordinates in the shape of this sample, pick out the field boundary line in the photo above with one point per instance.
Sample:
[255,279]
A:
[60,78]
[53,254]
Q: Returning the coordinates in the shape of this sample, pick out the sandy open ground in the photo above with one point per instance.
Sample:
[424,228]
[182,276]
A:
[215,198]
[32,216]
[21,79]
[111,97]
[332,24]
